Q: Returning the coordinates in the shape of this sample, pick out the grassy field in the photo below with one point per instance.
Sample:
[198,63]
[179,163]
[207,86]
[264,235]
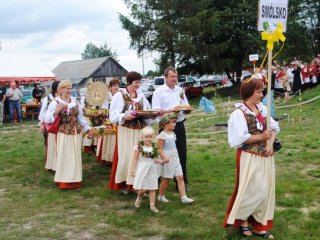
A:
[32,207]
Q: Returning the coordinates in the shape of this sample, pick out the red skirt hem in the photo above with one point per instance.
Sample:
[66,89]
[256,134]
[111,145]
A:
[69,185]
[112,184]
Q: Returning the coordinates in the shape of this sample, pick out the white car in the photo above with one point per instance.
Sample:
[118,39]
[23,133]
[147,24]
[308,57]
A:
[157,82]
[147,89]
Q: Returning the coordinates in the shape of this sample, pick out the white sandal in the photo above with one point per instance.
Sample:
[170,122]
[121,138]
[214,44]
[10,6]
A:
[138,201]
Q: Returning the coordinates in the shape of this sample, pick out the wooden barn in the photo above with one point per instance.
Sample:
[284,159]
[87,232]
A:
[82,72]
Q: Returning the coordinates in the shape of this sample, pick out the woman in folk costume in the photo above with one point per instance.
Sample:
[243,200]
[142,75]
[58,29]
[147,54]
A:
[253,200]
[69,138]
[106,144]
[123,105]
[50,139]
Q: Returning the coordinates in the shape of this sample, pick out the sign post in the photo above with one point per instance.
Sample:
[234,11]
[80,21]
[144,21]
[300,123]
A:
[271,15]
[253,58]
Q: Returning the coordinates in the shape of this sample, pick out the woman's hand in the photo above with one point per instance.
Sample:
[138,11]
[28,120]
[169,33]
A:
[266,134]
[41,127]
[133,173]
[59,108]
[269,150]
[128,117]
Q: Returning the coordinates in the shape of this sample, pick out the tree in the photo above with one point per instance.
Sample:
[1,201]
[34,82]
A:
[92,51]
[214,36]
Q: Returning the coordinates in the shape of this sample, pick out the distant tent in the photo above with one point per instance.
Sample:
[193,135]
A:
[25,80]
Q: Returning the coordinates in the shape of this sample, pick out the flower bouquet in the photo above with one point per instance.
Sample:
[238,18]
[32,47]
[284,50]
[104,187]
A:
[104,130]
[96,116]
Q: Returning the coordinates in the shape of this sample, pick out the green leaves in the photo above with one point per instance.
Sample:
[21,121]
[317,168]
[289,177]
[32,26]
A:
[93,51]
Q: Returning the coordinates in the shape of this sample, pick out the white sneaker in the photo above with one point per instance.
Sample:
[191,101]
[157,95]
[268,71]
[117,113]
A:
[187,200]
[163,199]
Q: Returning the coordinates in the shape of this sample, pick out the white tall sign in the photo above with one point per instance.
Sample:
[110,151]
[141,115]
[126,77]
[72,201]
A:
[272,11]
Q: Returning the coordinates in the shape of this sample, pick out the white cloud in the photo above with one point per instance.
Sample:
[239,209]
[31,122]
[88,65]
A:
[37,35]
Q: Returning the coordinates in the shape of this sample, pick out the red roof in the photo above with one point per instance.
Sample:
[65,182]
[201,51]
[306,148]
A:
[25,80]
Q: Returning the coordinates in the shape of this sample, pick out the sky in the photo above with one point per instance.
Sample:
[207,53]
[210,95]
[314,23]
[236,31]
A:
[37,35]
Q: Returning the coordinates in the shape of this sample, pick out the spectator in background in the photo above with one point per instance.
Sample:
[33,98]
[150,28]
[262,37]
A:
[306,76]
[296,77]
[14,95]
[2,99]
[37,93]
[317,59]
[290,74]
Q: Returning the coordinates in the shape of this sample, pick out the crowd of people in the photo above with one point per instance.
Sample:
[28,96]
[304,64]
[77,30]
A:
[295,76]
[139,157]
[136,161]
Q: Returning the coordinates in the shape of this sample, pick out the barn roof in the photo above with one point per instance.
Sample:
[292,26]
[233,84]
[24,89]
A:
[78,70]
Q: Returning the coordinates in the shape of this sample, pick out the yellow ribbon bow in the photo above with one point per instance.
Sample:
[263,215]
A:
[274,36]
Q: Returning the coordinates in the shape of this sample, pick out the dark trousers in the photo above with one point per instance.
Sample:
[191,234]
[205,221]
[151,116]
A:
[181,144]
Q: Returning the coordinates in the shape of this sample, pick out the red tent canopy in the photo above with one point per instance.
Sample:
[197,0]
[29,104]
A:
[24,80]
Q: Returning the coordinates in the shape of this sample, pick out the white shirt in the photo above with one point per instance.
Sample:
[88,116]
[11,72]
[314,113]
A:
[73,103]
[16,94]
[117,106]
[290,74]
[238,131]
[166,98]
[44,107]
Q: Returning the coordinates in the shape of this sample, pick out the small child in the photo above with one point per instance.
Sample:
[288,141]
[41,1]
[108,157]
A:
[144,168]
[168,151]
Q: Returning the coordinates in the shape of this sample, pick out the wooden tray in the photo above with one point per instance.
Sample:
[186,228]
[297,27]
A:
[148,113]
[183,108]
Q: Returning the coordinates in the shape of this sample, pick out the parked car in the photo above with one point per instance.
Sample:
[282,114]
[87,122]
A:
[192,89]
[157,82]
[27,96]
[75,93]
[188,79]
[147,89]
[122,85]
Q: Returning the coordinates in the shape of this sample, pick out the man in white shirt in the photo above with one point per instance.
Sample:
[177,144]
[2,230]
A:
[14,94]
[290,74]
[164,99]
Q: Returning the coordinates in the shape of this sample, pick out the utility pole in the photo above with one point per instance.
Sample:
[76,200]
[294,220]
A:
[142,63]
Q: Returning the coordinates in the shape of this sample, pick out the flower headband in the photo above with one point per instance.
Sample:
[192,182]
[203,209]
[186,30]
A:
[166,118]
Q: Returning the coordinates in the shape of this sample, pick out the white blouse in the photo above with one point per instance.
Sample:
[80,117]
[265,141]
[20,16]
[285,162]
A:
[73,103]
[238,131]
[117,104]
[107,103]
[44,107]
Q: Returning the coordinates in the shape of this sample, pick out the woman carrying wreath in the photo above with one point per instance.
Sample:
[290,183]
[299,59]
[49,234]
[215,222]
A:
[253,200]
[122,108]
[69,138]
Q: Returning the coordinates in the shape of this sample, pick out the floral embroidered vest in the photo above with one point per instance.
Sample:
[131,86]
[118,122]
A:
[68,123]
[137,123]
[257,147]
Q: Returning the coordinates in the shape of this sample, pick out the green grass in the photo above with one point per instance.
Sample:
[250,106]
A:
[32,207]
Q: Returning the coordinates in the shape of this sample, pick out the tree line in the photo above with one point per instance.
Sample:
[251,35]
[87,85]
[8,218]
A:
[206,36]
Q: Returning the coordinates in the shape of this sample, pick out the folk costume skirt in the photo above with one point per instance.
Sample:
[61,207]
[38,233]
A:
[254,196]
[51,158]
[69,161]
[120,176]
[105,148]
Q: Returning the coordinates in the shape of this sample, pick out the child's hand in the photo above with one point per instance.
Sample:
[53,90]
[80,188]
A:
[165,160]
[133,173]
